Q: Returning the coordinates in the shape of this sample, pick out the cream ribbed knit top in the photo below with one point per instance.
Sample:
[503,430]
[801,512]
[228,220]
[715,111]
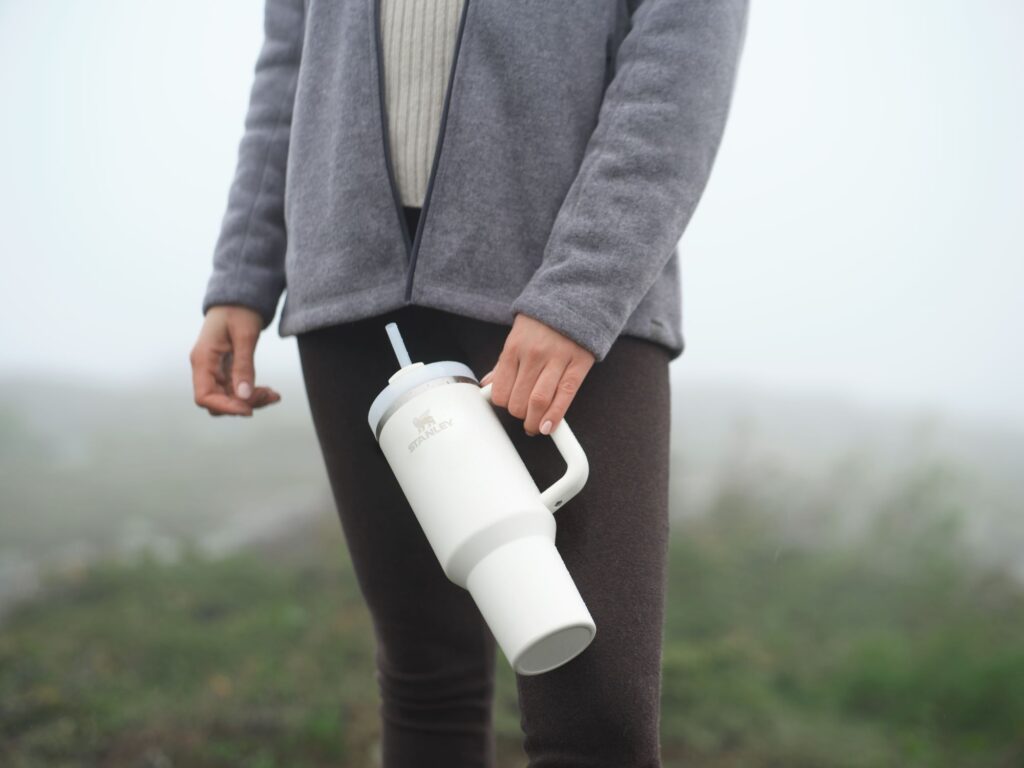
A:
[417,41]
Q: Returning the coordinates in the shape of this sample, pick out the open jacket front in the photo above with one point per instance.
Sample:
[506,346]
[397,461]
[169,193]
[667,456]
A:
[576,139]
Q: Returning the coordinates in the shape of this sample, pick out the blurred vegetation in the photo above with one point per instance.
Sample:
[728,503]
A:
[88,472]
[891,648]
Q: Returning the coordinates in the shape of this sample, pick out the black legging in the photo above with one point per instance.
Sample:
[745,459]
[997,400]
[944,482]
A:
[435,654]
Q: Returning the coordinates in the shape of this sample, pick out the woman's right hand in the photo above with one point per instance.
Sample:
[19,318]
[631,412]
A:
[223,374]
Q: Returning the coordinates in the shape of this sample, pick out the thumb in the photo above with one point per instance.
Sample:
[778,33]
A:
[243,373]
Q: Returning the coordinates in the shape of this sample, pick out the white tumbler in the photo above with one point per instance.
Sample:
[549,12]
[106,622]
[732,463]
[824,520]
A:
[492,529]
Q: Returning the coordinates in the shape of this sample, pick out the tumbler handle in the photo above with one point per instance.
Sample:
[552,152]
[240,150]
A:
[577,467]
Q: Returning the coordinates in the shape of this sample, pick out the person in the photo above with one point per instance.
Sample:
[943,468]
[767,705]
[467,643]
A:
[508,182]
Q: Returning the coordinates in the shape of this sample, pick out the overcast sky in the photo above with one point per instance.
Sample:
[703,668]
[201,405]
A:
[862,233]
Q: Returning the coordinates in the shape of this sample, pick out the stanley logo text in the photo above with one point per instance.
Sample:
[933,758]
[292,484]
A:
[427,427]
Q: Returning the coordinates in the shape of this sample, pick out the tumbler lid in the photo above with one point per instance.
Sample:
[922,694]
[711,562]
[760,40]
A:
[409,378]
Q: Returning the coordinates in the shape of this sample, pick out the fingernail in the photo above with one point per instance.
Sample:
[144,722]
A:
[244,390]
[545,428]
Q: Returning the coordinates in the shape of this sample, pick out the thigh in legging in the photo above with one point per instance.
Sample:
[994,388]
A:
[602,708]
[435,654]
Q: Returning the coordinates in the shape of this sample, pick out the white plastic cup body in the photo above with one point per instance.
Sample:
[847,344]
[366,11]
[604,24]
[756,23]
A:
[484,517]
[529,600]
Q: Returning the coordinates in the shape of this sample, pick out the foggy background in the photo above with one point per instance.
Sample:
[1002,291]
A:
[853,294]
[861,232]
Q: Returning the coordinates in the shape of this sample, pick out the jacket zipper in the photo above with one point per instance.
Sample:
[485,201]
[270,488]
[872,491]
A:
[412,244]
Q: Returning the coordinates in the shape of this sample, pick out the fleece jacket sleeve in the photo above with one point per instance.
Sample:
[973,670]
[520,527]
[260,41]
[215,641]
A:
[643,170]
[248,260]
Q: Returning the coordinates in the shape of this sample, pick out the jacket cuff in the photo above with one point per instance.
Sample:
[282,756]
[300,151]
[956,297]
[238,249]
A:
[555,311]
[246,289]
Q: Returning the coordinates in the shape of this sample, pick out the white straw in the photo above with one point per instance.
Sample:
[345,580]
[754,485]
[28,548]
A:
[398,345]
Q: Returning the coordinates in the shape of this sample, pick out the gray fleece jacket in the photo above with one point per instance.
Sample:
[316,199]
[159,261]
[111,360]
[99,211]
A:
[576,140]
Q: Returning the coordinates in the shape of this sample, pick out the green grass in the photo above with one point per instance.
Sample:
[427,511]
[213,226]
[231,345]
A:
[245,661]
[895,649]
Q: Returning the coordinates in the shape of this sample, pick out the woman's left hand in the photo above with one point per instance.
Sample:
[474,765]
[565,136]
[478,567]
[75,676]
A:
[537,374]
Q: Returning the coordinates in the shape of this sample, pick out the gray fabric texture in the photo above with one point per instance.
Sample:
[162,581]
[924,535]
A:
[578,139]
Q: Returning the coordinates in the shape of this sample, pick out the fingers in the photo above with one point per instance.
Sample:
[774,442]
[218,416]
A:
[208,384]
[542,394]
[538,373]
[568,385]
[539,395]
[503,376]
[531,363]
[222,365]
[262,396]
[243,346]
[211,393]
